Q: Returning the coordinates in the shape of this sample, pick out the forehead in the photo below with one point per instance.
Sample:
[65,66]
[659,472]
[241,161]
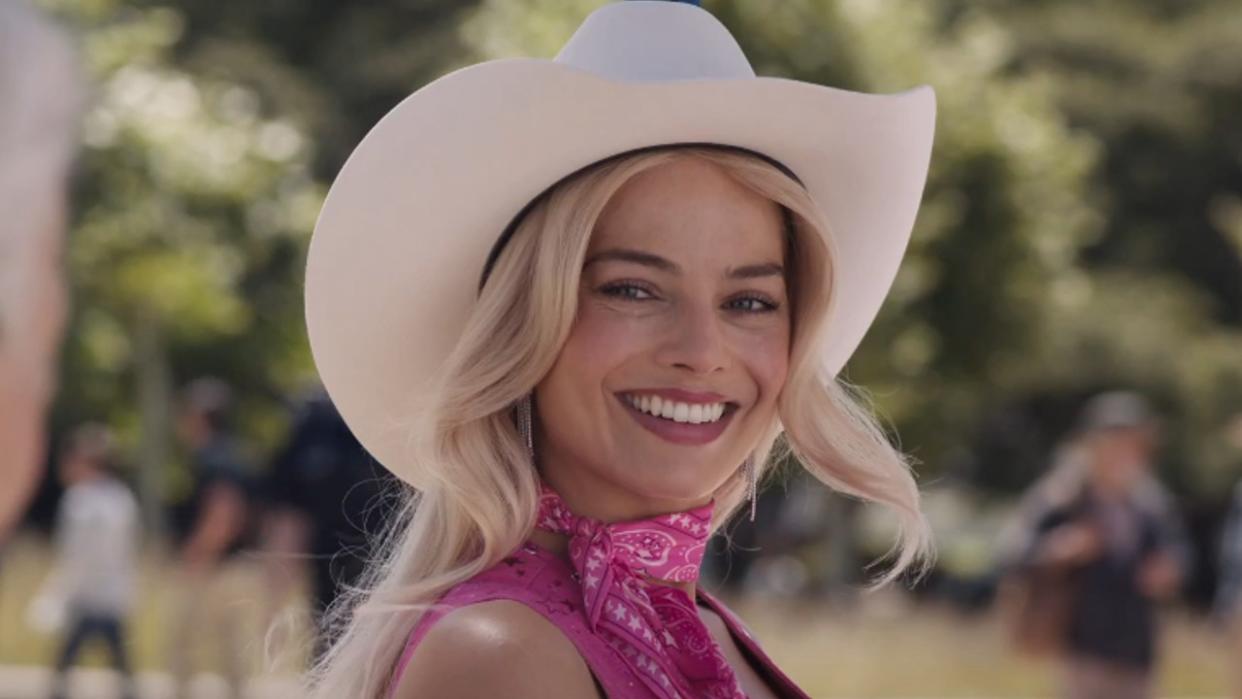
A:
[691,210]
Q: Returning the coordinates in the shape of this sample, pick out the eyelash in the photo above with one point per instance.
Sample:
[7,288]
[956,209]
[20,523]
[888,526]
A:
[611,289]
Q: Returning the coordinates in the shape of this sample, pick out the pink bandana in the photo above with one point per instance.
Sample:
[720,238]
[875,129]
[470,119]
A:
[655,628]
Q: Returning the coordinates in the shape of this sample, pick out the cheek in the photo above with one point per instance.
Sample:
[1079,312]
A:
[767,360]
[605,337]
[599,342]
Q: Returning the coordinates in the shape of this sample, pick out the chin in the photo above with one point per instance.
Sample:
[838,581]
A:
[687,485]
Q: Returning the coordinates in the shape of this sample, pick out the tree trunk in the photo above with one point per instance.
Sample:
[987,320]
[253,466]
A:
[154,386]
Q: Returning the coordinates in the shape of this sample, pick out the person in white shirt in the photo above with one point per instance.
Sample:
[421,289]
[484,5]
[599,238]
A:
[97,533]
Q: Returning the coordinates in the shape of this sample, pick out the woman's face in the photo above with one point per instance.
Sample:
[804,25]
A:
[682,309]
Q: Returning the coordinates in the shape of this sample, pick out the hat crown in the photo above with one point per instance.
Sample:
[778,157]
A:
[655,40]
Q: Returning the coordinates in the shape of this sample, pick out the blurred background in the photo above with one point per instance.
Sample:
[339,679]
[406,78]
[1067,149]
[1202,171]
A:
[1081,234]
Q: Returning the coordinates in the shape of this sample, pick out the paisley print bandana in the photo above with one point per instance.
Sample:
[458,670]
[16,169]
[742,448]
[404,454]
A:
[654,627]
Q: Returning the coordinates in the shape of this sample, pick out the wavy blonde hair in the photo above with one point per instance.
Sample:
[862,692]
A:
[474,495]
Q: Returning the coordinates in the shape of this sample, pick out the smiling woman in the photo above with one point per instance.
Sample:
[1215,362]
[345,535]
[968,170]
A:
[663,316]
[646,331]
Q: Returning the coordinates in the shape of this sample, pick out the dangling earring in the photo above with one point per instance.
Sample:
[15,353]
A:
[752,485]
[524,410]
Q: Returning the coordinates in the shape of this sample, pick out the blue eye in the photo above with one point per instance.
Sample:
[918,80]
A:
[758,304]
[626,291]
[630,291]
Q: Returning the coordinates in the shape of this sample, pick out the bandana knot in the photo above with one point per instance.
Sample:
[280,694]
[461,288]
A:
[655,627]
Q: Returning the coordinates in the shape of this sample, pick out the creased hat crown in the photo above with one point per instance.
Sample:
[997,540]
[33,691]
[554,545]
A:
[655,40]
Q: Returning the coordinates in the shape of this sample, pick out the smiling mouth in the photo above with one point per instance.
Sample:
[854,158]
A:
[678,411]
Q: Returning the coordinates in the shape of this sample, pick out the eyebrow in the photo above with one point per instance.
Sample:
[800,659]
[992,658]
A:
[765,269]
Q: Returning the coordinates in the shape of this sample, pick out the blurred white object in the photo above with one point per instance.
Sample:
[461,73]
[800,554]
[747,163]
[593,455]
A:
[39,107]
[46,612]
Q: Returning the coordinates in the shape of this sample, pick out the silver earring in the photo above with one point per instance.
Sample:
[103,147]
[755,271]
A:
[524,410]
[752,485]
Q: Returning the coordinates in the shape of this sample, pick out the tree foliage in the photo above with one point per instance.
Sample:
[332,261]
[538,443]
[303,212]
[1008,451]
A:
[1082,226]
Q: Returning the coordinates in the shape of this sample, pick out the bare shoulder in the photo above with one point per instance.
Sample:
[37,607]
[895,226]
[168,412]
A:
[494,649]
[714,622]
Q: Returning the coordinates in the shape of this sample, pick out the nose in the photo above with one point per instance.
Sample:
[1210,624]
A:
[695,342]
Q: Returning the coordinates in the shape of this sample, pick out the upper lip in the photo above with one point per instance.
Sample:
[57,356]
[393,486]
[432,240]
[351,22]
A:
[680,395]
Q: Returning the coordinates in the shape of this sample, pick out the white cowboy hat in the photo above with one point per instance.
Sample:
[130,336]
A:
[396,257]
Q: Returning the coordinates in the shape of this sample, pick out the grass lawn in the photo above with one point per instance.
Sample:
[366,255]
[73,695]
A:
[879,647]
[884,649]
[26,563]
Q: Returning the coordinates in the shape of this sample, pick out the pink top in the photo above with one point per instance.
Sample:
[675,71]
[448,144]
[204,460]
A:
[547,584]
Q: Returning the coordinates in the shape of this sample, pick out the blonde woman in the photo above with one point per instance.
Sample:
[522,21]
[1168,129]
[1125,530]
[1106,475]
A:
[579,306]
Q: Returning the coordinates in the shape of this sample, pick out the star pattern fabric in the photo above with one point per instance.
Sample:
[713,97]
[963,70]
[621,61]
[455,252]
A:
[654,627]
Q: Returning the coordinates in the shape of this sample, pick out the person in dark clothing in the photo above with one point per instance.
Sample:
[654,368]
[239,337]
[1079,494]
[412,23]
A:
[214,525]
[1104,522]
[323,477]
[1227,607]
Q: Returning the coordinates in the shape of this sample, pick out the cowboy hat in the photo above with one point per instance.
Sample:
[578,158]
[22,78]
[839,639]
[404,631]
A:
[408,224]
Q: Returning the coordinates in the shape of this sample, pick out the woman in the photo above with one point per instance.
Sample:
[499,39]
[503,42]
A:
[575,304]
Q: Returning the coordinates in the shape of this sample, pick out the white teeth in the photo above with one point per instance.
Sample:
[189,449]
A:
[667,409]
[682,413]
[693,413]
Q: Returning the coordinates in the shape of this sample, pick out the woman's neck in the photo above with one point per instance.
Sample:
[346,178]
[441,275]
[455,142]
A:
[592,495]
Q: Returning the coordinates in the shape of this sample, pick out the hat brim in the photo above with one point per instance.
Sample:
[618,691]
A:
[394,261]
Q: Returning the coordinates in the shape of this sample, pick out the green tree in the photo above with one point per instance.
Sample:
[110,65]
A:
[192,212]
[1159,86]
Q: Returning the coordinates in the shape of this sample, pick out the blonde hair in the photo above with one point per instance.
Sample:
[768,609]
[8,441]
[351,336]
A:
[475,490]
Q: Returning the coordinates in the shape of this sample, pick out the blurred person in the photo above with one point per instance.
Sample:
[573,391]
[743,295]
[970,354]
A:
[325,495]
[213,525]
[92,586]
[582,362]
[1103,544]
[40,96]
[1227,607]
